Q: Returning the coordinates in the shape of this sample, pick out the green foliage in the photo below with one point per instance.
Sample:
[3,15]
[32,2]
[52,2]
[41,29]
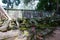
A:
[26,1]
[39,23]
[43,5]
[4,1]
[9,3]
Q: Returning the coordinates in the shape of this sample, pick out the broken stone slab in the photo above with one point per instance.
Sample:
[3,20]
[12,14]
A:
[4,26]
[9,34]
[4,12]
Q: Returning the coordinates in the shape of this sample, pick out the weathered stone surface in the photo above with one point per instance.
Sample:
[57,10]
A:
[13,35]
[9,34]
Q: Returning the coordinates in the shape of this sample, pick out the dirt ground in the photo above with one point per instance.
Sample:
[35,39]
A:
[55,36]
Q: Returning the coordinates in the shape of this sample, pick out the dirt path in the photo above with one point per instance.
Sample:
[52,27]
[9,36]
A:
[55,36]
